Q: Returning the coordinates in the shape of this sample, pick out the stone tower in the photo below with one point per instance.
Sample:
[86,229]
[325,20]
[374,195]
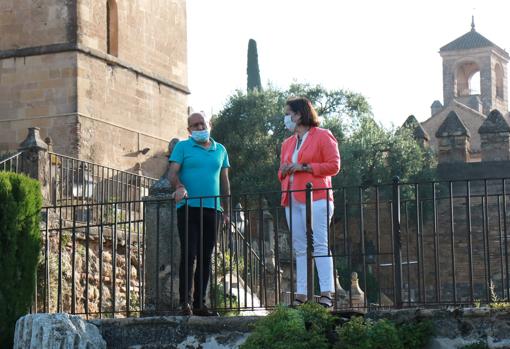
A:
[463,59]
[103,78]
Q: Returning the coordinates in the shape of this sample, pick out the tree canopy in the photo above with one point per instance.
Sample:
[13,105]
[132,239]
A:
[251,127]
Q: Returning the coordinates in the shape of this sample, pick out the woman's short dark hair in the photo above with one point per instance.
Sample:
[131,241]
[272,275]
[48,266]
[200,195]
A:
[304,107]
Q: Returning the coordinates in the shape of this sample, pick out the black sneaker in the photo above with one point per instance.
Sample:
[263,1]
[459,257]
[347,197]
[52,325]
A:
[186,310]
[204,311]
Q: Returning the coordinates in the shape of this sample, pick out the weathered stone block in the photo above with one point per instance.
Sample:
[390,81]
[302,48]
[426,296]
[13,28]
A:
[48,331]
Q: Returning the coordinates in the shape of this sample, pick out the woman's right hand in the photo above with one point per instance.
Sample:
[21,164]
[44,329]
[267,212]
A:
[284,169]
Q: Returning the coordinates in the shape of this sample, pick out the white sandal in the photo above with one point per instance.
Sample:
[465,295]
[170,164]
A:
[326,301]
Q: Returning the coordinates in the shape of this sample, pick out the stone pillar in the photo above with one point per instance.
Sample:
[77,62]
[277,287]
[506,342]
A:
[454,140]
[162,249]
[419,134]
[495,138]
[35,162]
[435,108]
[273,275]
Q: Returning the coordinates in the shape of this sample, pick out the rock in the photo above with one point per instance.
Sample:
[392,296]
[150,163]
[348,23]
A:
[48,331]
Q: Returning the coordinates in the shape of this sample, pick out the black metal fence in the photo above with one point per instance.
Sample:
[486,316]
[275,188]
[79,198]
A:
[411,244]
[11,163]
[75,182]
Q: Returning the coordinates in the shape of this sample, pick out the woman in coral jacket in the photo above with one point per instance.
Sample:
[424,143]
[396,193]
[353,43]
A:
[309,155]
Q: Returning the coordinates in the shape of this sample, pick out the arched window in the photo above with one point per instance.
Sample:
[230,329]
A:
[467,79]
[112,28]
[499,81]
[474,84]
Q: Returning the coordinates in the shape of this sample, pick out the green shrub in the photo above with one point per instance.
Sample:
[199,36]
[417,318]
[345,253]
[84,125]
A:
[20,206]
[301,328]
[383,334]
[354,334]
[416,334]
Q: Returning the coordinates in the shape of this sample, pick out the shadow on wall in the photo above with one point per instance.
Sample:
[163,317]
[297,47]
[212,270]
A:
[155,166]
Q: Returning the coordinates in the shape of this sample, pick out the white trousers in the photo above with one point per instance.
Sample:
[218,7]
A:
[320,223]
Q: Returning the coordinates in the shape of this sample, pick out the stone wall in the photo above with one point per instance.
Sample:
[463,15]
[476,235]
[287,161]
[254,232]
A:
[454,149]
[470,118]
[26,23]
[95,282]
[152,34]
[457,327]
[121,113]
[495,146]
[55,74]
[39,91]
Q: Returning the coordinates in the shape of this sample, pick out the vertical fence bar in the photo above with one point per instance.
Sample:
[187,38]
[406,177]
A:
[114,260]
[200,259]
[128,262]
[87,261]
[59,295]
[186,250]
[500,234]
[101,231]
[397,242]
[291,232]
[408,265]
[261,249]
[452,243]
[470,240]
[144,257]
[378,241]
[418,245]
[47,264]
[172,246]
[309,244]
[277,257]
[73,264]
[486,244]
[436,244]
[156,269]
[363,250]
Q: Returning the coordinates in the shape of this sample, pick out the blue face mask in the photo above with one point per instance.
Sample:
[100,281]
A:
[289,124]
[200,136]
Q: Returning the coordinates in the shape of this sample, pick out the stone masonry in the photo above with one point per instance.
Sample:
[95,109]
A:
[57,73]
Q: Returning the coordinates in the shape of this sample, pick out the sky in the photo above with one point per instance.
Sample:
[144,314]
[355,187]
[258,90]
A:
[385,50]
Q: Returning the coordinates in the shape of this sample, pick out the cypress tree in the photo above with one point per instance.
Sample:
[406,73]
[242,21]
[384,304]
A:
[253,67]
[20,207]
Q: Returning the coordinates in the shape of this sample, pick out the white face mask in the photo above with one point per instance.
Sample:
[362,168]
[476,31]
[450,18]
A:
[289,124]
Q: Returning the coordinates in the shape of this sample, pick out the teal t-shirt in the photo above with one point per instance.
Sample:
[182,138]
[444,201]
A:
[200,171]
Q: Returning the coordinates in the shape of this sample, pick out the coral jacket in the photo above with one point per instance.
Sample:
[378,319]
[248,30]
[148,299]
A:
[320,152]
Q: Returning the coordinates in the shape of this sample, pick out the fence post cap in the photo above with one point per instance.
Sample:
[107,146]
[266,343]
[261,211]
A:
[309,185]
[396,179]
[33,140]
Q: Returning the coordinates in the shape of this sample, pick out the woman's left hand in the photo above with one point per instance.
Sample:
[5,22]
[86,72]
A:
[295,168]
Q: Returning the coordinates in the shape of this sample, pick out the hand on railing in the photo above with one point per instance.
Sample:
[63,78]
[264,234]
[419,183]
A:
[226,219]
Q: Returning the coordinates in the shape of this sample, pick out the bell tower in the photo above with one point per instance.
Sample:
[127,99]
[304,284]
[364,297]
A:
[475,73]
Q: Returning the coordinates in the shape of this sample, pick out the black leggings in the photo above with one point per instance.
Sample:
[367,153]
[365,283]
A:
[210,225]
